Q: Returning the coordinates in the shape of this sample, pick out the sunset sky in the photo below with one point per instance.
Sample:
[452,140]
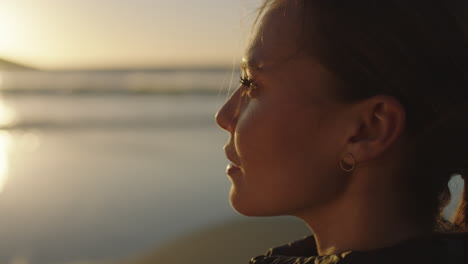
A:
[55,34]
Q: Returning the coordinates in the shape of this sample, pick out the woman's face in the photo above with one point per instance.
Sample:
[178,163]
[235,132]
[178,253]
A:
[286,138]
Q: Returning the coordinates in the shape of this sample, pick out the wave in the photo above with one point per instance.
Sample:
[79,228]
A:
[119,83]
[113,124]
[87,91]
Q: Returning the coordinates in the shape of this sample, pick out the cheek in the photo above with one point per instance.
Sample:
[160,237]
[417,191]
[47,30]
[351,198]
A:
[260,138]
[283,138]
[285,159]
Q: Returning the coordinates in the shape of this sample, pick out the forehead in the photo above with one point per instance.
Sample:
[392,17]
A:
[274,52]
[274,40]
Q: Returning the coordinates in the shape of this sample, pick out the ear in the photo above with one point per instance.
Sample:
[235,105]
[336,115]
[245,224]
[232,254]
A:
[379,122]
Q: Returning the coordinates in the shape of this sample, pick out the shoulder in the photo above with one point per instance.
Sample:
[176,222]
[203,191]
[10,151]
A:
[302,247]
[301,251]
[437,248]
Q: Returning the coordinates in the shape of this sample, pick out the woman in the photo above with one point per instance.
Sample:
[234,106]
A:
[351,115]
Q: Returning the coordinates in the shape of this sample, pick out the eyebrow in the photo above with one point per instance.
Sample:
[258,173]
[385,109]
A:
[250,64]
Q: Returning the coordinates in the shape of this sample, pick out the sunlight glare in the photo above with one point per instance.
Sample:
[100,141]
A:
[7,115]
[8,30]
[5,145]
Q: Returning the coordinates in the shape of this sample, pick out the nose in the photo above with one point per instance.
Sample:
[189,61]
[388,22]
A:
[228,113]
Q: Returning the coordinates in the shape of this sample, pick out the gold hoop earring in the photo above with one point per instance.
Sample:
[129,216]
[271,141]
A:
[353,165]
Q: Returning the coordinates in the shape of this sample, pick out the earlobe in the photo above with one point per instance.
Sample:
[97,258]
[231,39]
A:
[351,165]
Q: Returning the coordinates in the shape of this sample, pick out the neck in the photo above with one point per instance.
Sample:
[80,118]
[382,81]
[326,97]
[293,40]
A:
[362,220]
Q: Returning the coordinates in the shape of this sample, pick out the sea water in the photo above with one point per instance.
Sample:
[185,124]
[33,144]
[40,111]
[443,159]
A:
[97,165]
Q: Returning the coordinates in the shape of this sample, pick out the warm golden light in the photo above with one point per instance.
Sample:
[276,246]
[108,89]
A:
[7,114]
[8,28]
[51,34]
[5,144]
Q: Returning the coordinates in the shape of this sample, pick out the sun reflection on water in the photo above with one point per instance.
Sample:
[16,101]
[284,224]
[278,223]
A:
[5,146]
[7,118]
[7,115]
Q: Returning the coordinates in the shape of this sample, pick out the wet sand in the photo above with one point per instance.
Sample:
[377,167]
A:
[233,242]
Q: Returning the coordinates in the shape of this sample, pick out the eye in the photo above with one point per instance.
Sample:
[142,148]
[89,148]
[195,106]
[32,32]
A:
[251,86]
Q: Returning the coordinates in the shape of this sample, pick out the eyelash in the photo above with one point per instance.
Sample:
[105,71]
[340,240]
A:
[250,84]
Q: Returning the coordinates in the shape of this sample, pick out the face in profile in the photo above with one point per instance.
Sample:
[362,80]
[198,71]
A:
[285,134]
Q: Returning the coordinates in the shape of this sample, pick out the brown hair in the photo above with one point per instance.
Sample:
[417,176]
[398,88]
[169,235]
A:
[417,52]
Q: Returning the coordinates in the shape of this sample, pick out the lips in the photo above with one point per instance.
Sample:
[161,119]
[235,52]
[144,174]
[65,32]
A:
[234,162]
[232,170]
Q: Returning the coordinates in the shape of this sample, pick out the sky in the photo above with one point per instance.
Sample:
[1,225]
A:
[76,34]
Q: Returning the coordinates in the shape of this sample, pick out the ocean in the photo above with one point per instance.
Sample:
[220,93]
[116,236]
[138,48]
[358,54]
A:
[106,164]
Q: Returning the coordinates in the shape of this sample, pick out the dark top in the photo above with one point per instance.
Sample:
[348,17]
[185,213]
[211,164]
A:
[438,248]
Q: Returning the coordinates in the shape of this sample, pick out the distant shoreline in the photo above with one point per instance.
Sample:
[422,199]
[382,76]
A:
[11,65]
[6,65]
[214,68]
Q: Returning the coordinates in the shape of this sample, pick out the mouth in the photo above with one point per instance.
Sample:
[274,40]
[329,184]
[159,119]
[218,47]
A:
[233,164]
[232,169]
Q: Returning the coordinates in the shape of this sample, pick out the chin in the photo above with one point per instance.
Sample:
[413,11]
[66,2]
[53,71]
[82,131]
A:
[241,205]
[248,207]
[249,211]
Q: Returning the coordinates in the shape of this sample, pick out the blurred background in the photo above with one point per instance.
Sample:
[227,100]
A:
[109,152]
